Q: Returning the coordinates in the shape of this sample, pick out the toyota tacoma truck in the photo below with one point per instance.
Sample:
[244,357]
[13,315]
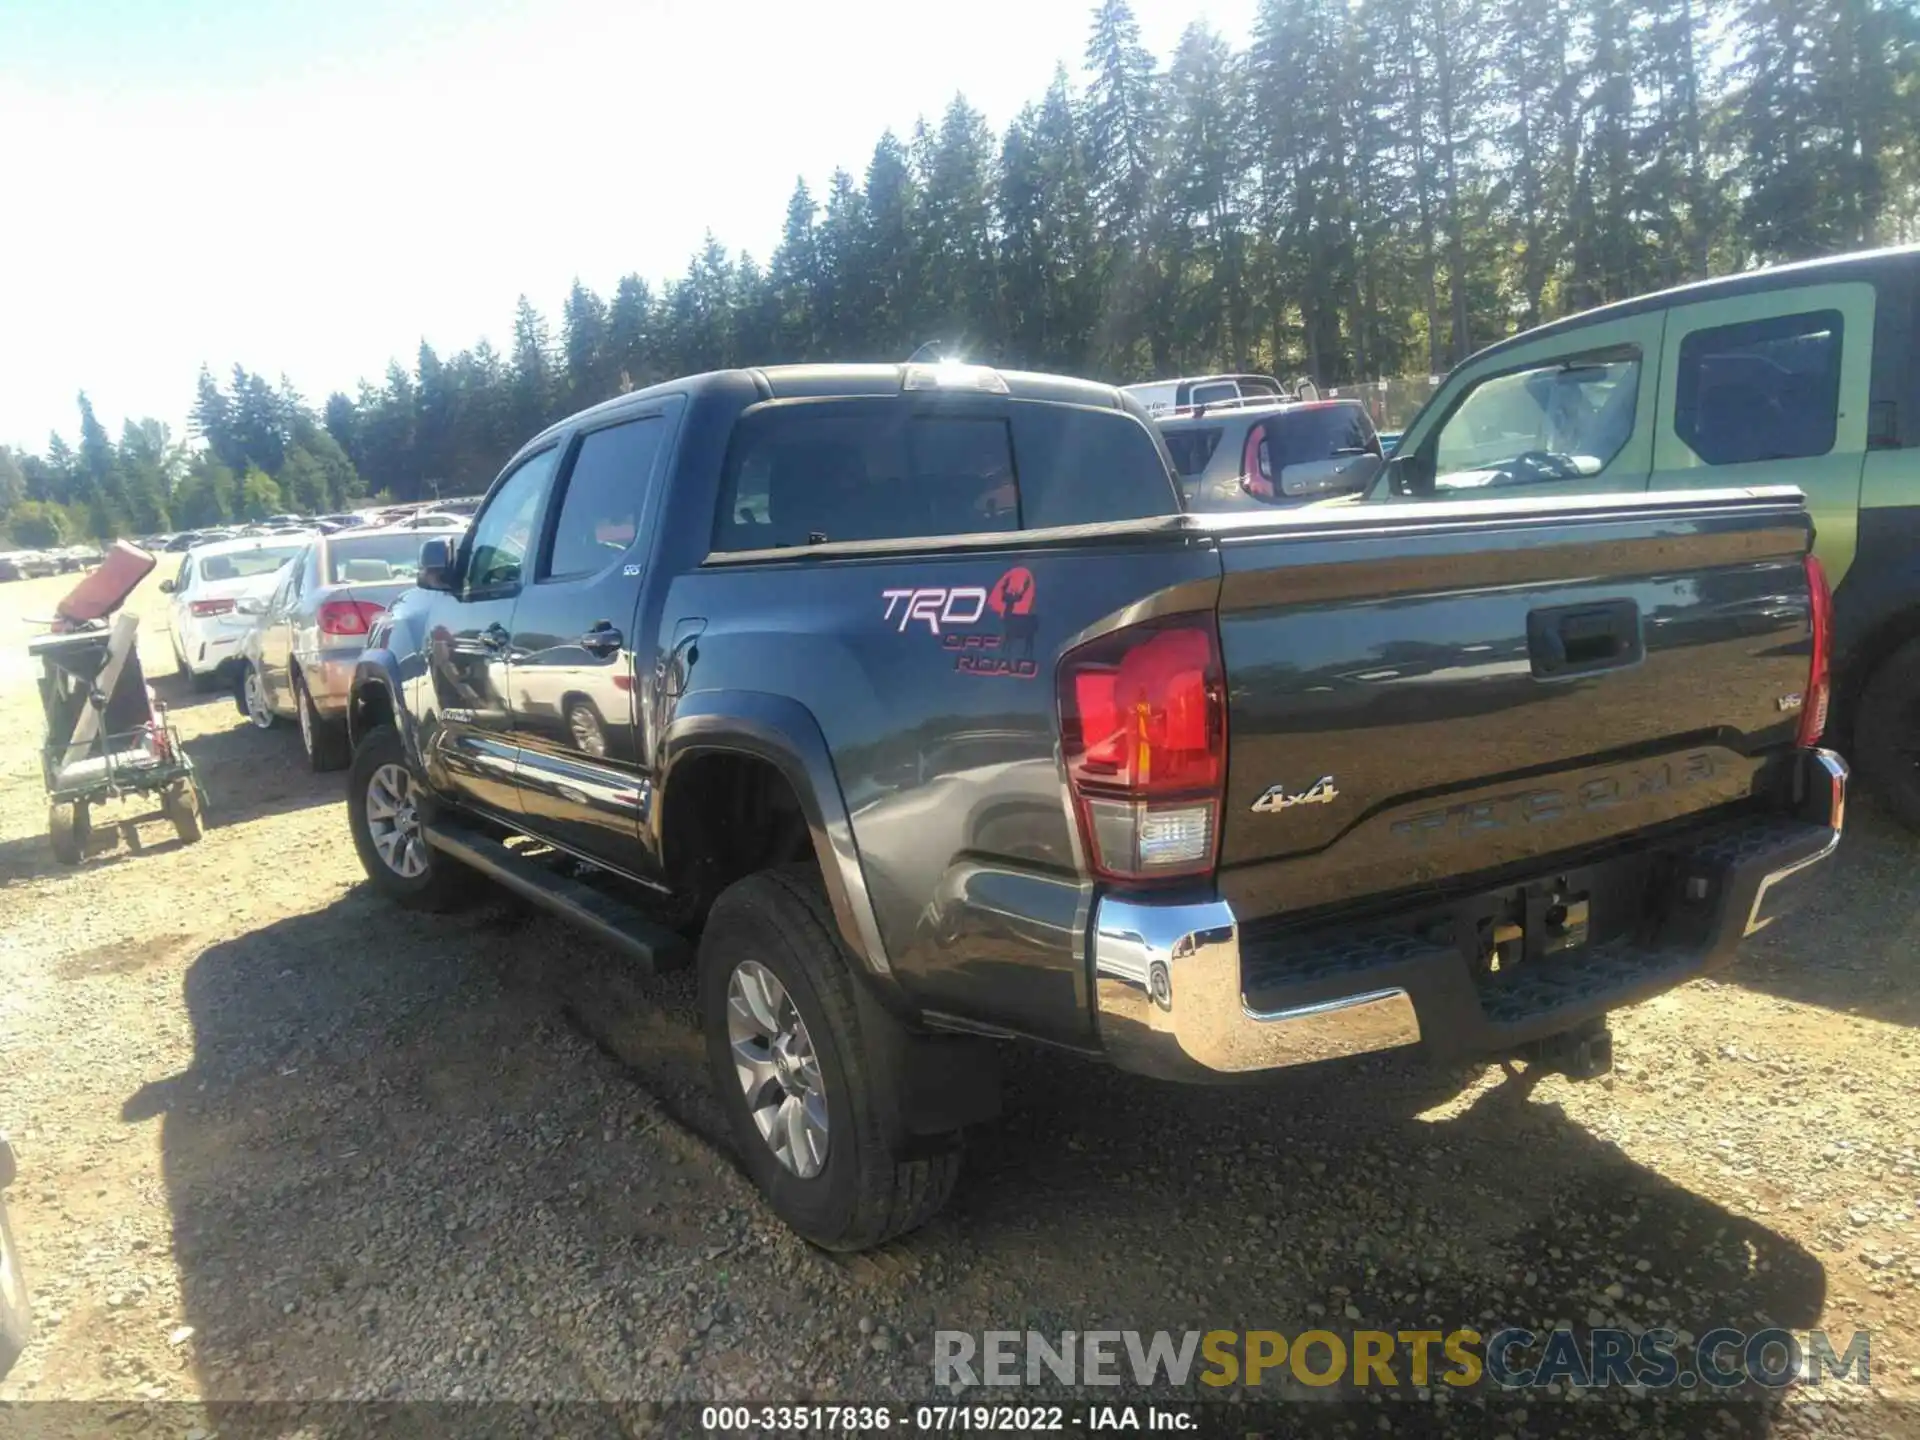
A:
[910,705]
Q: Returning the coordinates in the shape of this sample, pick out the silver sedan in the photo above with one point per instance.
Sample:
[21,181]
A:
[297,662]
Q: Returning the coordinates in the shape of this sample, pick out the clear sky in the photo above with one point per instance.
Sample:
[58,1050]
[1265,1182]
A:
[313,186]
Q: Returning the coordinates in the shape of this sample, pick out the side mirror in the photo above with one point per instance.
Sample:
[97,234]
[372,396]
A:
[166,587]
[1338,475]
[436,566]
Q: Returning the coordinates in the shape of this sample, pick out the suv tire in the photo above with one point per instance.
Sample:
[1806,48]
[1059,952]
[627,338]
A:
[1887,733]
[428,880]
[866,1190]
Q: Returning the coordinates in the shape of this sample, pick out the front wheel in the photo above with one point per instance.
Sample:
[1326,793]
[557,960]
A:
[798,1070]
[384,802]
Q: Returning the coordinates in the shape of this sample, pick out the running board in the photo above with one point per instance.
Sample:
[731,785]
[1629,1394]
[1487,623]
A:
[653,945]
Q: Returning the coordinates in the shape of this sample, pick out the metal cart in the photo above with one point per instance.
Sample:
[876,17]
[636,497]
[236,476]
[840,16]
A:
[107,735]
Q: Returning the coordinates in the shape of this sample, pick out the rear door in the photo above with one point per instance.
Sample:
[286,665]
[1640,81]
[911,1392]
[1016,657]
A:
[471,745]
[583,777]
[1771,389]
[275,643]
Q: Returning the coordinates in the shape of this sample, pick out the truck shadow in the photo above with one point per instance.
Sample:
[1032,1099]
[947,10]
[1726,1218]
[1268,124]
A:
[1851,947]
[393,1146]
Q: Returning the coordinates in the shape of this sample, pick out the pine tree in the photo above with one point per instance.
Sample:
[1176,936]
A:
[584,343]
[794,280]
[534,383]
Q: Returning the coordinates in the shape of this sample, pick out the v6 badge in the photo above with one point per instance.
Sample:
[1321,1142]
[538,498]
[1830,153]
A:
[1321,792]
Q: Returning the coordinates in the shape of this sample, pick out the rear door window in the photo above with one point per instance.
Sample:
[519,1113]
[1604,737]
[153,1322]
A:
[606,494]
[827,471]
[1764,390]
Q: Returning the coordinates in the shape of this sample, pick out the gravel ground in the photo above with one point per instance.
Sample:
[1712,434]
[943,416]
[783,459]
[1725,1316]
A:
[281,1142]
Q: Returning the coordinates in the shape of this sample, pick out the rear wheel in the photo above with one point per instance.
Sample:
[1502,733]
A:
[324,740]
[1887,733]
[180,803]
[69,826]
[384,803]
[796,1065]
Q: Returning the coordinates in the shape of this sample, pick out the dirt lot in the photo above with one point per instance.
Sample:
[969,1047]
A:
[282,1142]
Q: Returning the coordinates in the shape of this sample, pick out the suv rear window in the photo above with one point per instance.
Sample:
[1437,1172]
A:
[1317,432]
[816,472]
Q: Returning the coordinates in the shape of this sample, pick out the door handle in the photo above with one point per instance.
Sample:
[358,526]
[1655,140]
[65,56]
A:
[1582,639]
[602,639]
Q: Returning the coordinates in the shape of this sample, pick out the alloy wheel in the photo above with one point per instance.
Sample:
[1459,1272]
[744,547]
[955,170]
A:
[256,699]
[393,821]
[779,1072]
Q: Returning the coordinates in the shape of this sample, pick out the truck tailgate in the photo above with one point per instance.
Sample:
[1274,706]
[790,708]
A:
[1433,692]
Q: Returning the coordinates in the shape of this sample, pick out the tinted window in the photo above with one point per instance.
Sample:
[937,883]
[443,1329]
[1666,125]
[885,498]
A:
[1192,449]
[606,490]
[504,531]
[371,559]
[1765,390]
[1563,421]
[1323,432]
[1208,394]
[808,474]
[827,471]
[1083,467]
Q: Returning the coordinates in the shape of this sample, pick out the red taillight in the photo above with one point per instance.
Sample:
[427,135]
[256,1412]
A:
[348,617]
[1143,727]
[203,608]
[1813,709]
[1254,478]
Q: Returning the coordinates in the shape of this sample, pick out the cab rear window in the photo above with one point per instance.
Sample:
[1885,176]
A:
[819,472]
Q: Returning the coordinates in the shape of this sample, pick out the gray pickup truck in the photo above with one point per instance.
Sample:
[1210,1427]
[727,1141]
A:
[914,694]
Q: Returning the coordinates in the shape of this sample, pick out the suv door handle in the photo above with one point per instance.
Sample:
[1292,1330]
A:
[602,639]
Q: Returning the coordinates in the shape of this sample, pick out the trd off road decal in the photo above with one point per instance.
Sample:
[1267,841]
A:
[988,631]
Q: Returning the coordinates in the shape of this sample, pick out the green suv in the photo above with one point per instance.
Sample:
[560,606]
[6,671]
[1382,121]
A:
[1805,375]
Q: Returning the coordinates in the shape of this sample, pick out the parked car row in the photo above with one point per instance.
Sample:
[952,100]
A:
[32,564]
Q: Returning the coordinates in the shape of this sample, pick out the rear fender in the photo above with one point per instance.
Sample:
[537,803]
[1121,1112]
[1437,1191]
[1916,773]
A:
[784,733]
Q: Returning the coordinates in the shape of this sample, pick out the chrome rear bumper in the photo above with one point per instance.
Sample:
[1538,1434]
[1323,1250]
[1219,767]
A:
[1167,980]
[1170,979]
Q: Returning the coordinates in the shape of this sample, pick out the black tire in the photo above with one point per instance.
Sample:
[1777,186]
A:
[323,740]
[443,884]
[180,803]
[69,827]
[1886,733]
[867,1191]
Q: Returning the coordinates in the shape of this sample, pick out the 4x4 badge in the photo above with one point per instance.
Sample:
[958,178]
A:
[1321,792]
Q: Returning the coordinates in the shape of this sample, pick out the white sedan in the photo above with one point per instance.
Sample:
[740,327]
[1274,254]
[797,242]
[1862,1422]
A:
[222,588]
